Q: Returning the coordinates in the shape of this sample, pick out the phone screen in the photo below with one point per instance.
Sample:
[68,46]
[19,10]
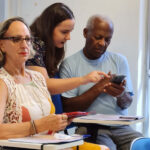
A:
[118,79]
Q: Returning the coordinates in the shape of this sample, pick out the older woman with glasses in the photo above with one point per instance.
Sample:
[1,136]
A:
[25,103]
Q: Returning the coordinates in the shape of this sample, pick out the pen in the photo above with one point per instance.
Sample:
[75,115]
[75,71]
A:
[132,118]
[86,136]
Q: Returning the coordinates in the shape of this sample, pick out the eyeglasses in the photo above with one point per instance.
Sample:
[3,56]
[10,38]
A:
[18,39]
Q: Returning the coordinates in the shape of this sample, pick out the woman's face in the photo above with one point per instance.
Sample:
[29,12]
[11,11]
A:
[62,32]
[16,43]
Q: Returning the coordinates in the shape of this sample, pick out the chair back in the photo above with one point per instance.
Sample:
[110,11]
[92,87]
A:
[57,99]
[140,144]
[58,103]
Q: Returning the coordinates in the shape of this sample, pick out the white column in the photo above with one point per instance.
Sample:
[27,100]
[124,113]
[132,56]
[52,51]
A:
[142,103]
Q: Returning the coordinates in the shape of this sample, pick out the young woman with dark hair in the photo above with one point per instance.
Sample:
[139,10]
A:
[51,31]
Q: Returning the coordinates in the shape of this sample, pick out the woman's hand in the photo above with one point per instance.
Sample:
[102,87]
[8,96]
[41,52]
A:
[94,76]
[57,122]
[52,123]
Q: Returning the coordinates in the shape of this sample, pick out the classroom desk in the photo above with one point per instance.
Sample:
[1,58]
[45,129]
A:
[100,121]
[39,146]
[107,122]
[97,122]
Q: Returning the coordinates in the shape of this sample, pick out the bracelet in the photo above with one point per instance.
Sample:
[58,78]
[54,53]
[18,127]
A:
[33,126]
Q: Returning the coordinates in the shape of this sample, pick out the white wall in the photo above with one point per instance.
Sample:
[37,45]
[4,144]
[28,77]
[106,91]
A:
[2,10]
[124,13]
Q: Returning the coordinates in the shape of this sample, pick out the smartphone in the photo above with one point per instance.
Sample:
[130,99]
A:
[72,115]
[118,79]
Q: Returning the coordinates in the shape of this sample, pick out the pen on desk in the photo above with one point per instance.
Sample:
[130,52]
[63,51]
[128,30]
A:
[86,136]
[125,117]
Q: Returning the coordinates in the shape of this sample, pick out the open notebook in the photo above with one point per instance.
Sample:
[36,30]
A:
[41,139]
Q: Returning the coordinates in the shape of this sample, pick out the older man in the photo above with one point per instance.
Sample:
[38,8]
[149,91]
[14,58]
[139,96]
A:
[110,99]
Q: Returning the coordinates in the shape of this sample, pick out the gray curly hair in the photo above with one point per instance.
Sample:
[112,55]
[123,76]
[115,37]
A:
[90,22]
[3,29]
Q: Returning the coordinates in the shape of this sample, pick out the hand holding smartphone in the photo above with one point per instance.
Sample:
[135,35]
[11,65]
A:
[75,114]
[118,79]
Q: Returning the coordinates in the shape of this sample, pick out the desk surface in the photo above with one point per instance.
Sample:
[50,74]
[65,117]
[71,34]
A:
[108,122]
[103,121]
[38,146]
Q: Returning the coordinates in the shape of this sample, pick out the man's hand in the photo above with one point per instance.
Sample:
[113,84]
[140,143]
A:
[114,89]
[124,99]
[103,84]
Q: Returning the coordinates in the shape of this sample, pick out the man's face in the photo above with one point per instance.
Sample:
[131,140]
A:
[97,39]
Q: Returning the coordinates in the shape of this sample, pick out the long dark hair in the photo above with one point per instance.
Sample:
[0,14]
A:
[43,28]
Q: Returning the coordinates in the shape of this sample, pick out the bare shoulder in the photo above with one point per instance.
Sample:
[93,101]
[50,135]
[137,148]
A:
[3,86]
[3,98]
[3,93]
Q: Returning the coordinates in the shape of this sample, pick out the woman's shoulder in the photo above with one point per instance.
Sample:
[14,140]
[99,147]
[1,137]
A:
[34,73]
[2,71]
[36,76]
[38,79]
[4,74]
[7,79]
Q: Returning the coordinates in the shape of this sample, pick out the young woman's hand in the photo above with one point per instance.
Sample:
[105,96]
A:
[94,77]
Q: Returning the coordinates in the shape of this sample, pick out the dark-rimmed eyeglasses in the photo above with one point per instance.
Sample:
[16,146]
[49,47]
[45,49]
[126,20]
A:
[18,39]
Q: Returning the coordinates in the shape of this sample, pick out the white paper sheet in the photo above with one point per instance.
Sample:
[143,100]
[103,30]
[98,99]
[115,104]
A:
[110,117]
[56,138]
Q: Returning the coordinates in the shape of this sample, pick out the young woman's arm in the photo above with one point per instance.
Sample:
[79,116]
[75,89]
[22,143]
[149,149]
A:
[57,86]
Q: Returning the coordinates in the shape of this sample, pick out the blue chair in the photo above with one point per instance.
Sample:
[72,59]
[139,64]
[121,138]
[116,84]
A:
[140,144]
[59,107]
[57,100]
[58,103]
